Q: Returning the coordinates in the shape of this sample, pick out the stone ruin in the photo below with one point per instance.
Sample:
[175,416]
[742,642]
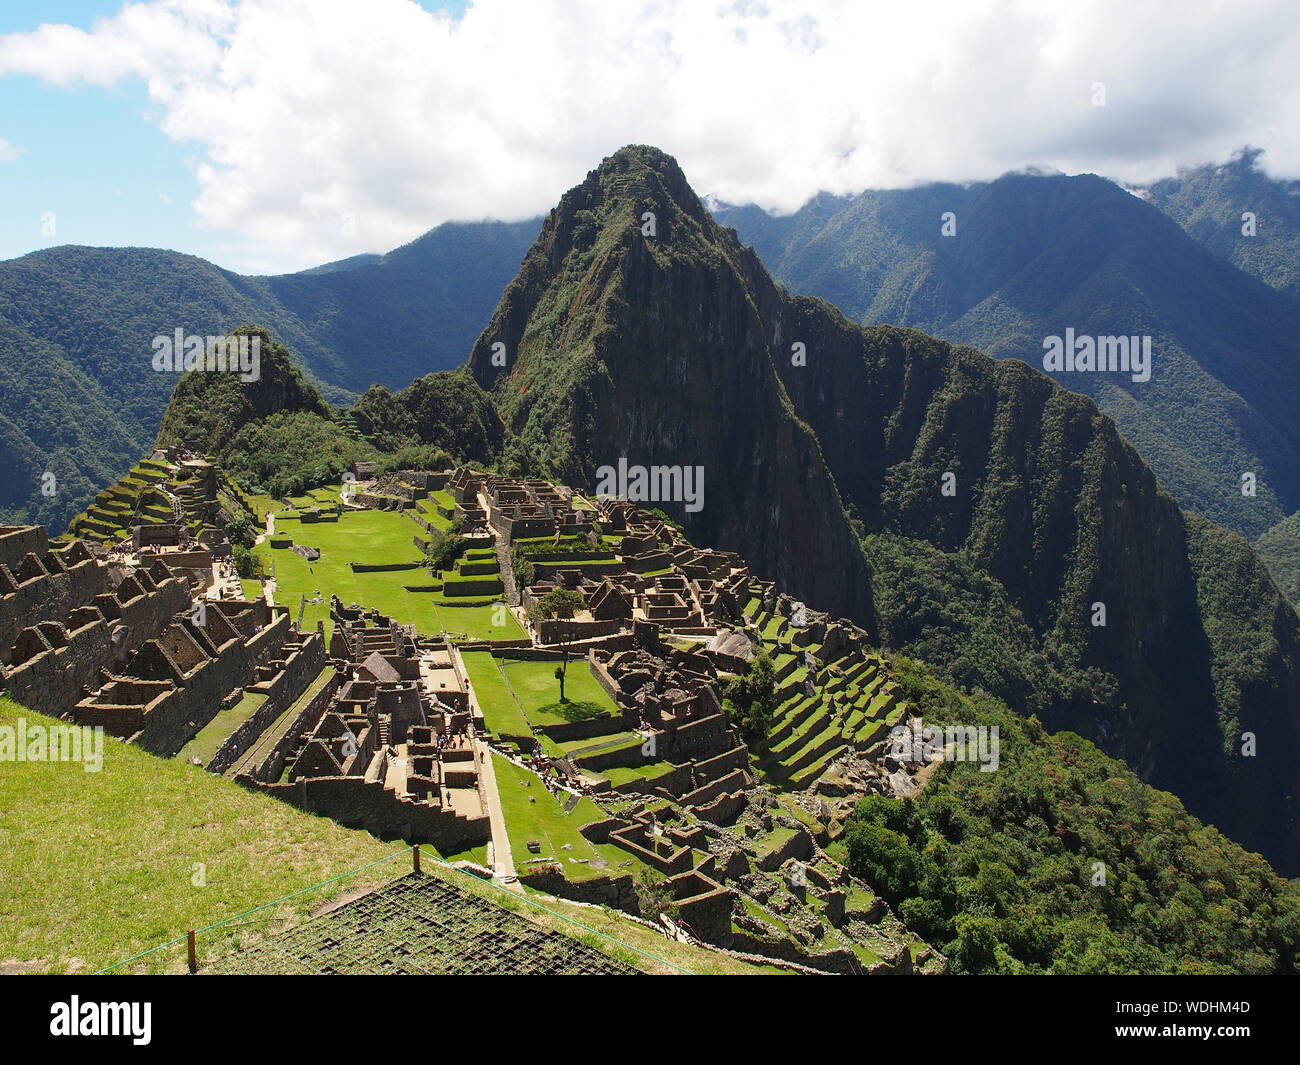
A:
[387,745]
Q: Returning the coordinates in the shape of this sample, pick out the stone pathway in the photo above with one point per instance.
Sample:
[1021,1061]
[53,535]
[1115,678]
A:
[503,861]
[507,575]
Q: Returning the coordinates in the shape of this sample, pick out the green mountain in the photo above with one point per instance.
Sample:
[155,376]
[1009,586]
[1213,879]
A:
[1050,569]
[654,351]
[79,397]
[1212,204]
[1063,862]
[277,434]
[1032,256]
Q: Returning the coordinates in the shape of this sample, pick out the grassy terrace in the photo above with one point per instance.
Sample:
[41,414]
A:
[853,708]
[515,695]
[543,819]
[432,508]
[317,497]
[372,537]
[206,741]
[535,685]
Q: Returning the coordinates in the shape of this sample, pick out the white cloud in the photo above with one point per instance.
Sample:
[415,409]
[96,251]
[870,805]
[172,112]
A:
[321,128]
[9,152]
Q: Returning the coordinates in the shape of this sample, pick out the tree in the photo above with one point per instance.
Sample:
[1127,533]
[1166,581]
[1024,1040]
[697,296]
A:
[559,604]
[239,530]
[444,548]
[247,564]
[751,698]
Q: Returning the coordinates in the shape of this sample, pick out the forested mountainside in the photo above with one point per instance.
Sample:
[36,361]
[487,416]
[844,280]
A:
[78,393]
[678,350]
[1029,256]
[1240,213]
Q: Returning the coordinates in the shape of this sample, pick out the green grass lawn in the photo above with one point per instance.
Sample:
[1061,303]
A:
[500,712]
[544,820]
[539,691]
[97,867]
[371,536]
[535,699]
[262,505]
[206,741]
[623,774]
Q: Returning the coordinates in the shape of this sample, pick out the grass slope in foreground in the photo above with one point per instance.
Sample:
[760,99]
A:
[98,867]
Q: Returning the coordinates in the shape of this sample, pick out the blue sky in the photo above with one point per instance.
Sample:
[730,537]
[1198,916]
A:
[93,158]
[89,157]
[272,135]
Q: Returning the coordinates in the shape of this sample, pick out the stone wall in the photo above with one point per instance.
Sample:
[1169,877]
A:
[301,667]
[359,803]
[618,892]
[172,724]
[270,768]
[50,590]
[52,681]
[19,540]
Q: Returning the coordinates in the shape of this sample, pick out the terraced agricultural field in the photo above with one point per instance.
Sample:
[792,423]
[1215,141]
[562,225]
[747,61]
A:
[853,703]
[372,537]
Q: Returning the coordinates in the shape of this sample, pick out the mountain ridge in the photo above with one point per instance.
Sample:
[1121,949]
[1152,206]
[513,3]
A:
[1051,502]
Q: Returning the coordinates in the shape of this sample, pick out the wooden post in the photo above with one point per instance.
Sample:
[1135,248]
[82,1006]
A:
[415,856]
[194,958]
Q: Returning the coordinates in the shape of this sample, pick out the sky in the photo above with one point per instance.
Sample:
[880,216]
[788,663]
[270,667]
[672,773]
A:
[273,135]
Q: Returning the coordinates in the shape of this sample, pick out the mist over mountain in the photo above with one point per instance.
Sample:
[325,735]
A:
[1240,213]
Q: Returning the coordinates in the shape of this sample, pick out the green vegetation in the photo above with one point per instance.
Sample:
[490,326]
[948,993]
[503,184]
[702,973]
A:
[515,694]
[100,866]
[533,813]
[1062,861]
[447,410]
[212,735]
[750,699]
[1214,330]
[97,402]
[559,604]
[371,537]
[1208,202]
[1279,547]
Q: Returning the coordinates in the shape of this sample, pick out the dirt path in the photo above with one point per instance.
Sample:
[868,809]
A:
[503,860]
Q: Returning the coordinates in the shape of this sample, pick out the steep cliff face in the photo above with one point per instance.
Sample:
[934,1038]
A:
[648,347]
[993,464]
[1032,255]
[1050,566]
